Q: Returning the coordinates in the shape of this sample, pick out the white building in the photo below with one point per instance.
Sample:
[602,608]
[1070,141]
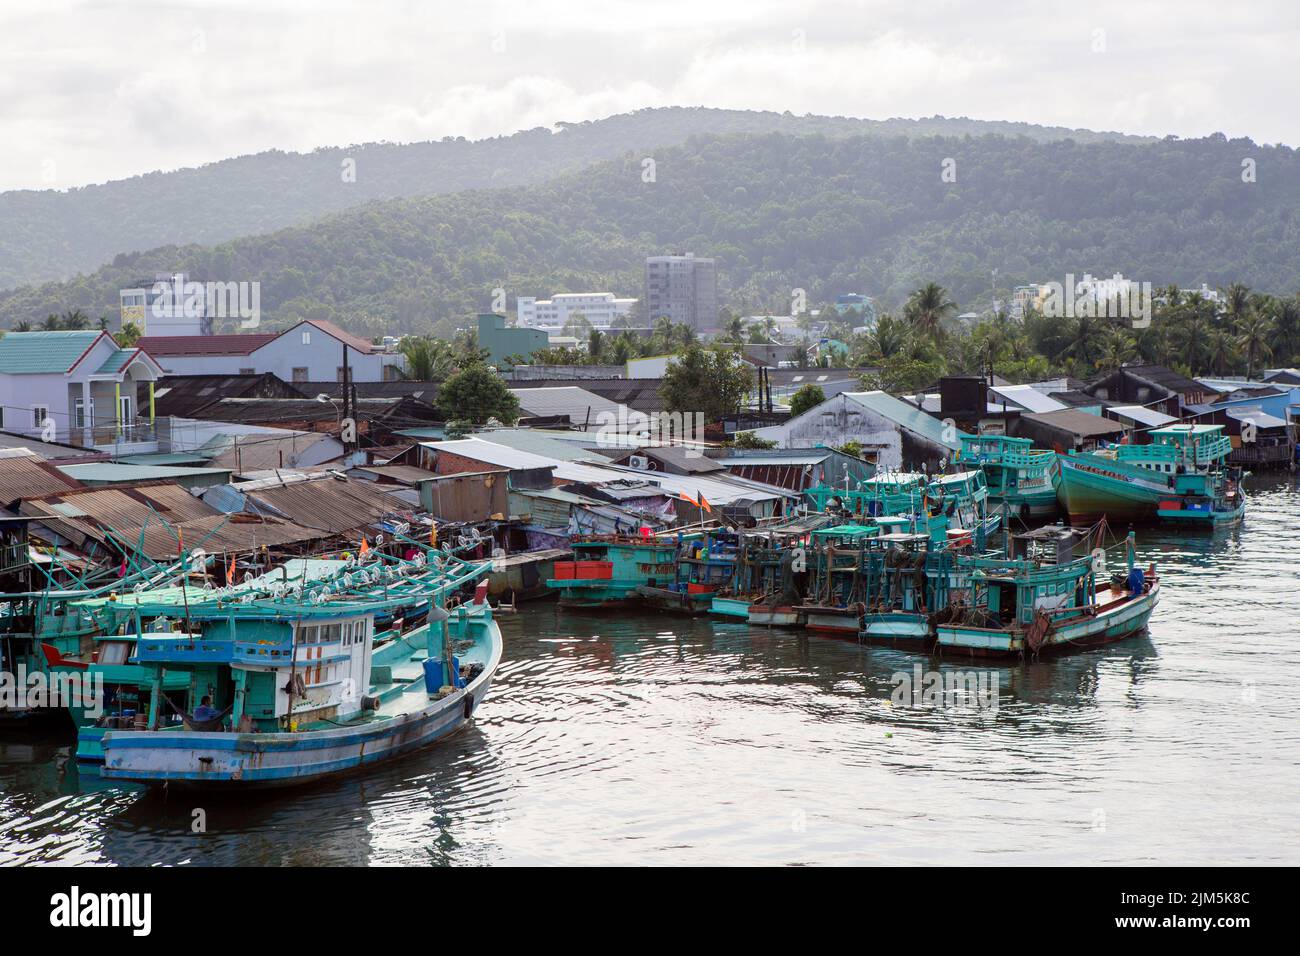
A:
[598,308]
[311,351]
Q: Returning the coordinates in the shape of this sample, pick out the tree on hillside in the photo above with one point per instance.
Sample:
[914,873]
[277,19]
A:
[475,394]
[710,380]
[810,396]
[927,307]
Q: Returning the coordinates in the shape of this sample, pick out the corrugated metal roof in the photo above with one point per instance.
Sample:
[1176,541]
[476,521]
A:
[149,518]
[104,471]
[548,445]
[1143,415]
[23,474]
[29,353]
[908,416]
[490,452]
[1256,415]
[1073,420]
[405,474]
[1026,396]
[579,404]
[328,503]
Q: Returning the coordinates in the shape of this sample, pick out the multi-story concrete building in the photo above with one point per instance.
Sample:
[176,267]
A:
[682,287]
[172,305]
[601,309]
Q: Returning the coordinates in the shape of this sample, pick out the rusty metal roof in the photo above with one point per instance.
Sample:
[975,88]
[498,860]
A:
[154,518]
[23,473]
[328,503]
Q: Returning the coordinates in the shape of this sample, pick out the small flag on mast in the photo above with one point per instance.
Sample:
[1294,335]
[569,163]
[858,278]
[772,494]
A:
[704,502]
[365,546]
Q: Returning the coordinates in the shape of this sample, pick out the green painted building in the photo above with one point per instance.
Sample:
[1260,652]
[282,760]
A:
[502,341]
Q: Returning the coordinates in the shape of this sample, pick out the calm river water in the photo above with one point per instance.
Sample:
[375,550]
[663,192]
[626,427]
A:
[634,739]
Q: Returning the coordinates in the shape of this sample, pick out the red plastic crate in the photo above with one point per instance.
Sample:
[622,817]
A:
[584,570]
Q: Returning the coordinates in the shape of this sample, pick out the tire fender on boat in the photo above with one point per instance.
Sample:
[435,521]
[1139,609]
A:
[469,706]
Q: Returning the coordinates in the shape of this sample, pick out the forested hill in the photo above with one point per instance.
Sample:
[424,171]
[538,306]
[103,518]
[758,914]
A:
[828,215]
[48,235]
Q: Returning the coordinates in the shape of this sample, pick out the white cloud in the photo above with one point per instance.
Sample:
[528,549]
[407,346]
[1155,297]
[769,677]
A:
[106,90]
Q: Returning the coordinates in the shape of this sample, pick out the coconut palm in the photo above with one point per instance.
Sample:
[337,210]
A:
[1117,347]
[1223,353]
[1236,303]
[1253,337]
[927,307]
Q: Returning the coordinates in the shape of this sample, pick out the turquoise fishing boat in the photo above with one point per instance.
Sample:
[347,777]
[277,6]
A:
[706,564]
[887,493]
[123,685]
[607,570]
[833,603]
[910,582]
[1180,477]
[1041,597]
[286,684]
[758,569]
[1022,479]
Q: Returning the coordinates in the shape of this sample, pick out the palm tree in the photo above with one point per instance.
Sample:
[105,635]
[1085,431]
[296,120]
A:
[735,329]
[1223,351]
[1236,302]
[1082,338]
[890,336]
[1116,348]
[595,346]
[23,326]
[927,307]
[1253,337]
[1286,328]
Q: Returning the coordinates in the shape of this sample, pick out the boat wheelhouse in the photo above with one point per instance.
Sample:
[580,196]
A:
[1181,477]
[833,604]
[1042,597]
[706,565]
[1022,479]
[606,570]
[285,684]
[909,582]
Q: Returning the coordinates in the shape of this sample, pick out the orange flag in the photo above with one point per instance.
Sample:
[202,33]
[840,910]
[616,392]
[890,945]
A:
[685,497]
[704,503]
[365,546]
[230,571]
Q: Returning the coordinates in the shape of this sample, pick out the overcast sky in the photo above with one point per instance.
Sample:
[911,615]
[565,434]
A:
[92,90]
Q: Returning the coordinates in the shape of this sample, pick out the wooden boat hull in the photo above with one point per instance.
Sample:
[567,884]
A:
[897,627]
[596,594]
[675,602]
[1090,490]
[1202,517]
[1114,621]
[844,622]
[233,760]
[780,616]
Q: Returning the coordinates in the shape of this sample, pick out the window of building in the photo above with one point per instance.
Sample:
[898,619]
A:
[306,338]
[300,375]
[248,371]
[39,414]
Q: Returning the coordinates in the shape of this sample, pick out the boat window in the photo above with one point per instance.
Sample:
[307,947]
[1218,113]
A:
[330,633]
[114,652]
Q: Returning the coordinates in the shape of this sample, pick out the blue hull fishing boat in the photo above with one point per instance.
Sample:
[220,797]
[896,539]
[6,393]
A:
[288,686]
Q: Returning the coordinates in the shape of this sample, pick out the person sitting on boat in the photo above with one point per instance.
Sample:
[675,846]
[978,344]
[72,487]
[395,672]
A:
[205,710]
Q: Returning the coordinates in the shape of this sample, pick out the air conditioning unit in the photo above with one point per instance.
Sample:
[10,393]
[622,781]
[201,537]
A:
[639,461]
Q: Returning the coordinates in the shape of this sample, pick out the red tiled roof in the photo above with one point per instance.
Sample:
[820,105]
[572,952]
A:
[156,345]
[329,328]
